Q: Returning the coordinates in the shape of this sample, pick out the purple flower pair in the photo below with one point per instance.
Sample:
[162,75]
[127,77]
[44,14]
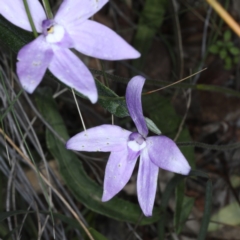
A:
[126,147]
[69,29]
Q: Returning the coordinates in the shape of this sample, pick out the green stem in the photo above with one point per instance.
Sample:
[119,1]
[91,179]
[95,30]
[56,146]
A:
[30,18]
[210,146]
[104,73]
[47,9]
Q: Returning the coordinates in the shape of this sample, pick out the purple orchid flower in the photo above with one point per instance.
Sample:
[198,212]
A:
[69,29]
[126,147]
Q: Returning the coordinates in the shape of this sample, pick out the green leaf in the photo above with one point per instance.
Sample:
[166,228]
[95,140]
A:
[179,193]
[150,21]
[69,221]
[111,101]
[152,126]
[75,225]
[236,59]
[12,36]
[214,49]
[220,43]
[229,215]
[235,181]
[183,207]
[227,35]
[234,51]
[214,88]
[228,63]
[173,183]
[83,188]
[207,212]
[8,236]
[228,44]
[4,230]
[197,173]
[96,234]
[223,53]
[187,205]
[4,215]
[185,211]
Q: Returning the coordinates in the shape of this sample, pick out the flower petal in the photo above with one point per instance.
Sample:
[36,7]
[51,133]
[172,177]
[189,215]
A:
[146,183]
[104,138]
[14,12]
[118,172]
[69,69]
[134,103]
[72,12]
[132,154]
[34,59]
[96,40]
[165,154]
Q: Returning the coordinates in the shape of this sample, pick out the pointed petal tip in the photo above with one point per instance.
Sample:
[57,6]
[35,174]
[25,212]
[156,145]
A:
[132,53]
[136,54]
[164,153]
[72,144]
[186,170]
[104,199]
[93,98]
[69,69]
[147,214]
[68,144]
[106,196]
[183,166]
[28,89]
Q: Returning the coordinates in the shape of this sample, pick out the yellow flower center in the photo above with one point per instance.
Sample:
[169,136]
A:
[50,30]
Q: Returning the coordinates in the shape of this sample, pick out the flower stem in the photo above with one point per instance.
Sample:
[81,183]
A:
[104,74]
[47,9]
[30,18]
[225,16]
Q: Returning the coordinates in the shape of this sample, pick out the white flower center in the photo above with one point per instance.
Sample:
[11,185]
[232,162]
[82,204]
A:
[55,34]
[136,146]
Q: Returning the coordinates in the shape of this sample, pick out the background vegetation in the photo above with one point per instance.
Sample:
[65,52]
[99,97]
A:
[49,192]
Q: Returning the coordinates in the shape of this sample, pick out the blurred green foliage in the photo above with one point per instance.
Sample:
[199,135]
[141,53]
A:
[226,50]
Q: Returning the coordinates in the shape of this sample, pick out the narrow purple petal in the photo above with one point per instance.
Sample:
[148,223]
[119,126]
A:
[133,154]
[33,60]
[104,138]
[165,154]
[72,12]
[118,172]
[14,12]
[96,40]
[134,103]
[146,183]
[69,69]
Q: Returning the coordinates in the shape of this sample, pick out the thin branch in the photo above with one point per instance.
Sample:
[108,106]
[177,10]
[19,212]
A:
[225,16]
